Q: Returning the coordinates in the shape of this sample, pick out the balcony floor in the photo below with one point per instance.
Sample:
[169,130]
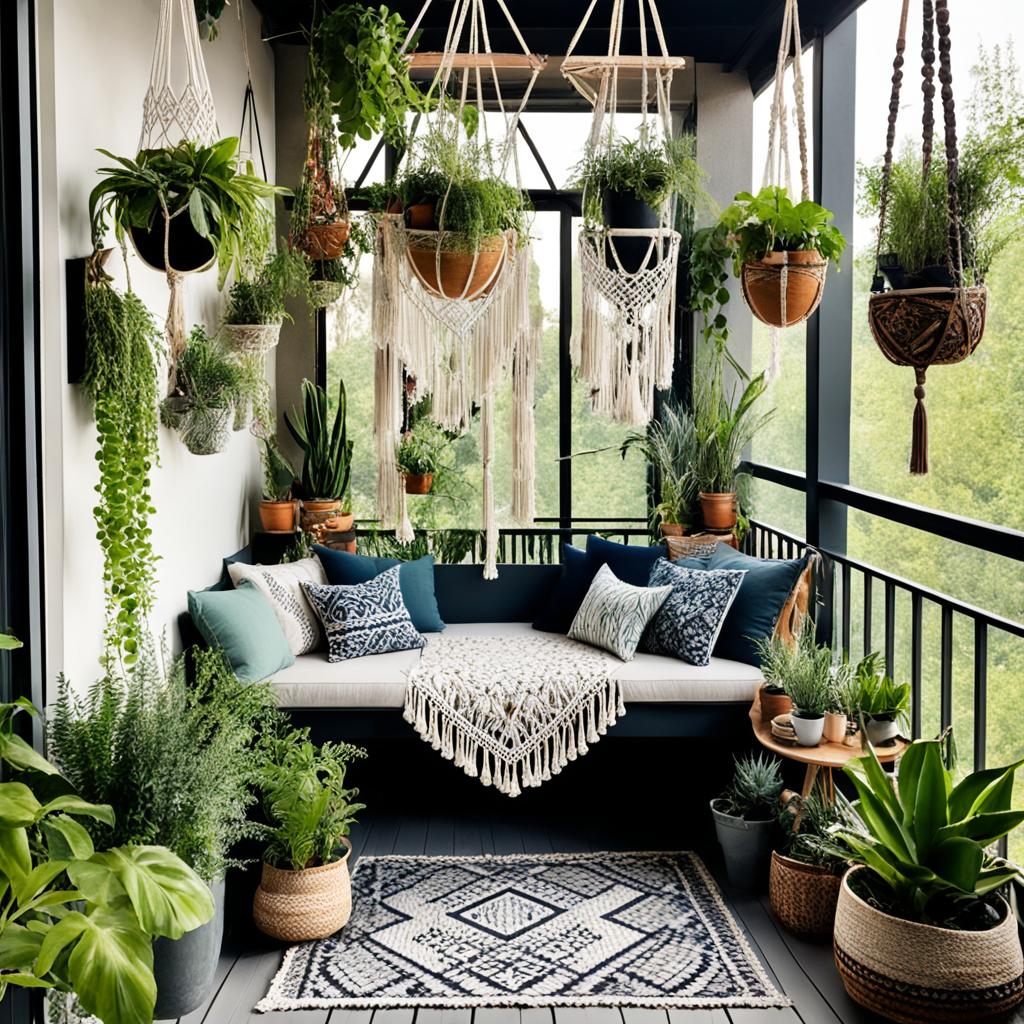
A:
[803,970]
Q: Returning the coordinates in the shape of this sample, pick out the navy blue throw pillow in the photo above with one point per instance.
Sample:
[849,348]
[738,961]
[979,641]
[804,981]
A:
[765,588]
[415,578]
[631,563]
[564,601]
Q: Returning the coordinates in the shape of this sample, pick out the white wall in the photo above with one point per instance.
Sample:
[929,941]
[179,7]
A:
[94,62]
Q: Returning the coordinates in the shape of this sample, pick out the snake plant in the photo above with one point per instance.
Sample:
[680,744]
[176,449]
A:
[326,448]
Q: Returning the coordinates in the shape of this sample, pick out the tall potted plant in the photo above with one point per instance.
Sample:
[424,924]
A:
[326,457]
[174,760]
[277,507]
[746,818]
[305,892]
[921,932]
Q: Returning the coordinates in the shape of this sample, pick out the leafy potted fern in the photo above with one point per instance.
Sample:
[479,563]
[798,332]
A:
[326,458]
[305,891]
[746,818]
[277,507]
[884,703]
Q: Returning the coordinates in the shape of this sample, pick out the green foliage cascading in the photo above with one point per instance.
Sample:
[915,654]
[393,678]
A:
[121,382]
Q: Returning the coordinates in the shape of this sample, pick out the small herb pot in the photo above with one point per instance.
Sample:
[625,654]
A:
[881,729]
[835,727]
[808,728]
[746,846]
[672,530]
[774,704]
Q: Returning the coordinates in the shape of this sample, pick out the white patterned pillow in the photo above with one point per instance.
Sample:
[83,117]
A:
[614,614]
[364,618]
[688,623]
[281,585]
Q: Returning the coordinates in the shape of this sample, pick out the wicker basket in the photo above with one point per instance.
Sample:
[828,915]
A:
[252,339]
[920,974]
[297,906]
[456,275]
[784,288]
[803,896]
[206,431]
[697,546]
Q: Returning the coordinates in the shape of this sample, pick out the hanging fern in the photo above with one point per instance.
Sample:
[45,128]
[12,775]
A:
[121,382]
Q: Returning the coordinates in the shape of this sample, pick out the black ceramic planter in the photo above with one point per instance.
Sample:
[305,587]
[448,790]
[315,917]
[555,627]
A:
[184,968]
[624,210]
[188,250]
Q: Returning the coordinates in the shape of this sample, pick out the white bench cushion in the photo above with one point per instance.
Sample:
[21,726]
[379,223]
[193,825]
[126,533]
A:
[378,681]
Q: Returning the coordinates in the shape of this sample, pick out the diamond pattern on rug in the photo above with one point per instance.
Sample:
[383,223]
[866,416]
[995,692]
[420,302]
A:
[600,929]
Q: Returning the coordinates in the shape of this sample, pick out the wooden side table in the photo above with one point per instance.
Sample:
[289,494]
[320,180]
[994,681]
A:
[825,756]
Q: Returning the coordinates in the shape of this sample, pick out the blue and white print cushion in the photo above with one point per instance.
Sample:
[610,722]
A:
[689,621]
[614,614]
[364,618]
[281,585]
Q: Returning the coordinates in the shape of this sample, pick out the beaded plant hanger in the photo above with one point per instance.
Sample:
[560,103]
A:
[624,347]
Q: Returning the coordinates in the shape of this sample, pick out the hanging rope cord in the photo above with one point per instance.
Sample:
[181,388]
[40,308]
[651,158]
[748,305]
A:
[249,98]
[777,169]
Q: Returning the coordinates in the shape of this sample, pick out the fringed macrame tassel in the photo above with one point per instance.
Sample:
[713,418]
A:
[775,356]
[524,436]
[919,445]
[490,527]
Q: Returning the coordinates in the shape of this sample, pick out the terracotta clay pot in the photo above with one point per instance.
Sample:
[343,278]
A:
[278,516]
[298,906]
[762,283]
[419,216]
[341,523]
[803,896]
[835,727]
[672,530]
[315,513]
[419,483]
[774,704]
[324,241]
[457,275]
[718,510]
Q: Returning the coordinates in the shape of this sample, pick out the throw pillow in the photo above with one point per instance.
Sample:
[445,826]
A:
[614,614]
[564,601]
[365,618]
[416,579]
[631,563]
[763,593]
[242,624]
[688,623]
[281,585]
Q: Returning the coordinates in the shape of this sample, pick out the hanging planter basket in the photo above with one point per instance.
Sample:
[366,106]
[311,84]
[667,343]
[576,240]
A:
[456,275]
[206,431]
[324,241]
[252,339]
[924,327]
[419,483]
[784,288]
[187,251]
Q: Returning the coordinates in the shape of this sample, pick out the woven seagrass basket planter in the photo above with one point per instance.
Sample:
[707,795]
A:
[920,974]
[206,431]
[456,275]
[312,903]
[252,339]
[803,896]
[784,288]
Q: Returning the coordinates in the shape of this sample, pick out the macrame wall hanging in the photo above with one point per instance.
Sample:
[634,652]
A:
[171,115]
[927,326]
[456,317]
[785,288]
[624,346]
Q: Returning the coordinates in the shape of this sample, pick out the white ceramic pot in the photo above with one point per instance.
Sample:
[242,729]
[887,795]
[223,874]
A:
[881,730]
[808,730]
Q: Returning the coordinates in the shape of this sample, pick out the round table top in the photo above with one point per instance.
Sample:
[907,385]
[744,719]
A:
[825,755]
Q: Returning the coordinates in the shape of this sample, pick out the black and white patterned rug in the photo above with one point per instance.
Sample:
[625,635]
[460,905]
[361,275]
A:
[597,929]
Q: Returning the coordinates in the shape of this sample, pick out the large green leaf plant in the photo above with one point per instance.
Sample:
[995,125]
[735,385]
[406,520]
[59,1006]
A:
[73,919]
[923,837]
[326,447]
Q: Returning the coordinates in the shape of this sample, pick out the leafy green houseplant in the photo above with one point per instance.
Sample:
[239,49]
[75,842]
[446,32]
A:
[207,388]
[211,208]
[121,382]
[259,297]
[419,456]
[745,817]
[884,703]
[924,896]
[310,812]
[810,681]
[326,455]
[72,918]
[277,507]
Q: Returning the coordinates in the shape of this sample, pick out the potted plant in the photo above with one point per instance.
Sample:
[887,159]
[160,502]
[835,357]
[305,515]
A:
[781,251]
[305,892]
[810,682]
[207,387]
[185,206]
[921,931]
[629,184]
[777,658]
[841,718]
[884,703]
[256,302]
[174,759]
[277,507]
[724,426]
[326,458]
[420,455]
[746,818]
[805,875]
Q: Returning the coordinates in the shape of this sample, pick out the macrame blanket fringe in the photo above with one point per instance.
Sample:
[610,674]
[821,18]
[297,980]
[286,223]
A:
[512,716]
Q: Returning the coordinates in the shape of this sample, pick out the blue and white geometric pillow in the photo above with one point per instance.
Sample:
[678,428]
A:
[614,614]
[365,618]
[688,623]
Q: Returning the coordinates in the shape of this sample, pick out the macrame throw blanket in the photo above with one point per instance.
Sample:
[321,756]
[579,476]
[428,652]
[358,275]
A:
[511,714]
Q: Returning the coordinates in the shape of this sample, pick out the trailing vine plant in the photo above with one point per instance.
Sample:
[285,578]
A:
[121,382]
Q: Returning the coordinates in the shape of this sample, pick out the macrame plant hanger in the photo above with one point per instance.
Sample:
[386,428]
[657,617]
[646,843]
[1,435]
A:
[923,327]
[766,284]
[457,322]
[624,346]
[168,118]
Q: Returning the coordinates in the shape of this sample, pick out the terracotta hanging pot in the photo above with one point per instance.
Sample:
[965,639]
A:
[718,510]
[784,288]
[419,483]
[324,241]
[420,217]
[456,275]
